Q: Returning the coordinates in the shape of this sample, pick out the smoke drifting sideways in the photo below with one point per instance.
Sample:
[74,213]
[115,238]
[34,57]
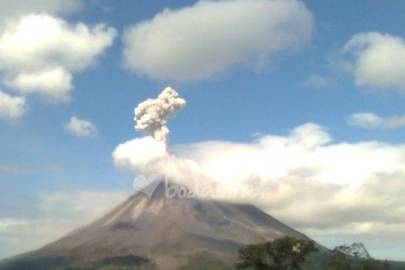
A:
[151,115]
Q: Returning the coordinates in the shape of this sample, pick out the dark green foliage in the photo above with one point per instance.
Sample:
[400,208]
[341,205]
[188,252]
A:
[285,253]
[254,256]
[339,261]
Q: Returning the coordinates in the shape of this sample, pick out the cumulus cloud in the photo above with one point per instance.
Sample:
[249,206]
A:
[215,34]
[11,107]
[373,121]
[377,60]
[39,53]
[80,127]
[339,187]
[55,83]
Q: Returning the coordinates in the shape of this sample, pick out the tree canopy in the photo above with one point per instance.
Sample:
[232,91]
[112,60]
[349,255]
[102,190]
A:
[286,253]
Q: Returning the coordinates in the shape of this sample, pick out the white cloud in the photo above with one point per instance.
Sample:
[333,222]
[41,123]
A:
[137,153]
[338,187]
[210,37]
[80,127]
[55,83]
[52,215]
[16,8]
[378,60]
[316,81]
[372,121]
[11,107]
[40,53]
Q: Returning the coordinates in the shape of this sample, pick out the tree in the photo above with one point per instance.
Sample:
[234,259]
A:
[286,253]
[340,261]
[375,265]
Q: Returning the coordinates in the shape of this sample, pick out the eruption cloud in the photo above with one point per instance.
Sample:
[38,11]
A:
[278,173]
[151,115]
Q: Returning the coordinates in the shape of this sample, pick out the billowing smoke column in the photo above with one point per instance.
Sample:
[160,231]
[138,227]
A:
[151,115]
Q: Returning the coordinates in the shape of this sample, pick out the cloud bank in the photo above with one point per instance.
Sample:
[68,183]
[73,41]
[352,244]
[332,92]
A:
[338,187]
[377,60]
[39,53]
[215,34]
[370,120]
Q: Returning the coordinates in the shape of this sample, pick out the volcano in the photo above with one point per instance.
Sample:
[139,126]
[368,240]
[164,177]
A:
[158,232]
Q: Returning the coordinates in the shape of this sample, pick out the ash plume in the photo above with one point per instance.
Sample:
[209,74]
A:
[151,115]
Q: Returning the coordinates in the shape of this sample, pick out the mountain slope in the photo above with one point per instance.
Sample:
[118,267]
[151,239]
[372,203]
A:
[158,232]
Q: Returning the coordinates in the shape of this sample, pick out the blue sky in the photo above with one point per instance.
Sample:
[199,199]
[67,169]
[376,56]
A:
[39,154]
